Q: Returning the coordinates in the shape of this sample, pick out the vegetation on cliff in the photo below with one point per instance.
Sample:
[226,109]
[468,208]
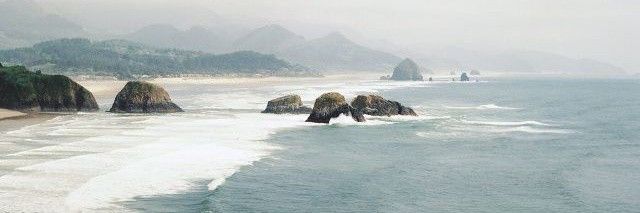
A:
[28,91]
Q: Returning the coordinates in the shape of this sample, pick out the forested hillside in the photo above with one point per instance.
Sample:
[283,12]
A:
[127,59]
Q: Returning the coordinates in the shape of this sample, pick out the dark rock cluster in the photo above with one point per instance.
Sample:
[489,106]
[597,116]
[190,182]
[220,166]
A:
[375,105]
[327,106]
[332,105]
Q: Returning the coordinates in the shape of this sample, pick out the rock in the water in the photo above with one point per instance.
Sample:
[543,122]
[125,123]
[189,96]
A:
[474,72]
[378,106]
[143,97]
[291,104]
[327,106]
[27,91]
[464,77]
[407,70]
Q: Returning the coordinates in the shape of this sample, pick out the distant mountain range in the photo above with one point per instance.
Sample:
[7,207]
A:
[333,51]
[269,39]
[167,36]
[23,23]
[521,61]
[126,59]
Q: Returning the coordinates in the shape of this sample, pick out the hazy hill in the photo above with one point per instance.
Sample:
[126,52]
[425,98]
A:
[269,39]
[167,36]
[336,52]
[125,59]
[23,22]
[521,61]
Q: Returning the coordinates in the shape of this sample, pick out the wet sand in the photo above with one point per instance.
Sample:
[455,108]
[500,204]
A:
[6,114]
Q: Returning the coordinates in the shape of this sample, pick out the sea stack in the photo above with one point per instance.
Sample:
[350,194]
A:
[23,90]
[464,77]
[143,97]
[407,70]
[377,106]
[327,106]
[291,104]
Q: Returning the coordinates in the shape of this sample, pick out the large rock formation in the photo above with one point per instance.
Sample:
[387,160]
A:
[377,106]
[464,77]
[23,90]
[327,106]
[291,104]
[407,70]
[143,97]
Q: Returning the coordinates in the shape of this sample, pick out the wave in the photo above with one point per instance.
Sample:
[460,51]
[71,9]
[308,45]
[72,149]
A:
[528,129]
[482,107]
[165,157]
[507,123]
[399,118]
[348,121]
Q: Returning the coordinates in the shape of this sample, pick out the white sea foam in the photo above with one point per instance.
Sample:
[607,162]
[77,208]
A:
[507,123]
[400,118]
[482,107]
[166,157]
[528,129]
[348,121]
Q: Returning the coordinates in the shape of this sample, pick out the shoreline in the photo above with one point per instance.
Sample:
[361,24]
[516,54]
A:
[28,119]
[10,114]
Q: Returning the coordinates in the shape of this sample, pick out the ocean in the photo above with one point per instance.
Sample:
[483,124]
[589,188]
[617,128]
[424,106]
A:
[498,145]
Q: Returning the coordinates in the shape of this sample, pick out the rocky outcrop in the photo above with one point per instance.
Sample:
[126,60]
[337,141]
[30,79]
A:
[464,77]
[327,106]
[291,104]
[407,70]
[27,91]
[143,97]
[377,106]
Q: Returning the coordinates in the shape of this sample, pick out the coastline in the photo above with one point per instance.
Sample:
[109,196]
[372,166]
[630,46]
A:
[26,119]
[104,90]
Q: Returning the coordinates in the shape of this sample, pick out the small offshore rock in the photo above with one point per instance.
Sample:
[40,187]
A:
[464,77]
[327,106]
[378,106]
[291,104]
[143,97]
[407,70]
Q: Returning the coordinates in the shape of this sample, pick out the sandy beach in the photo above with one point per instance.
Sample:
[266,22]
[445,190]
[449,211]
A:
[6,114]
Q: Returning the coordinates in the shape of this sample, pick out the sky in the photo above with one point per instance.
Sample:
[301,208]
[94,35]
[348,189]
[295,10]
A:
[606,30]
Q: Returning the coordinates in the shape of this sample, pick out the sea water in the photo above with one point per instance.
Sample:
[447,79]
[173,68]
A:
[500,145]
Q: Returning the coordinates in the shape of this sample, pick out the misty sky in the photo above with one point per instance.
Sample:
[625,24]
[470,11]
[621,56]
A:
[599,29]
